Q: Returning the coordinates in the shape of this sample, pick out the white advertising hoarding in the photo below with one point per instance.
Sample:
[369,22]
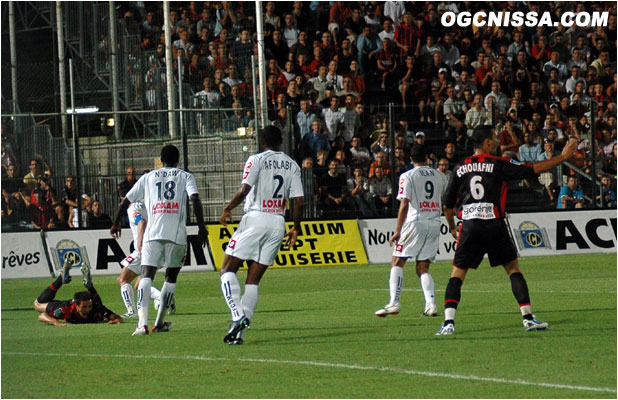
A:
[104,253]
[535,234]
[23,256]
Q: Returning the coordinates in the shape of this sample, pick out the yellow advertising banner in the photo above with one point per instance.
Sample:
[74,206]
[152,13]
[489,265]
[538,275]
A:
[320,244]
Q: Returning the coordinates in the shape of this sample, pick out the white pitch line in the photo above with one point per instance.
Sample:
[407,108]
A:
[331,365]
[502,291]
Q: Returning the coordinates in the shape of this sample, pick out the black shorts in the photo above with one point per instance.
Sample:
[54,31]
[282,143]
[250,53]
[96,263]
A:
[478,237]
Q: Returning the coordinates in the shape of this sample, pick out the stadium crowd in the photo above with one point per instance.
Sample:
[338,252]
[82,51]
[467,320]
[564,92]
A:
[335,65]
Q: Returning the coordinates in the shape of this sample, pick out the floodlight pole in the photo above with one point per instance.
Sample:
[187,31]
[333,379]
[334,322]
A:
[112,51]
[62,70]
[13,48]
[75,148]
[261,65]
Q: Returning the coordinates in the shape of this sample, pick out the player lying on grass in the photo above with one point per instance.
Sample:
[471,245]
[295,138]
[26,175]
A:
[132,264]
[84,308]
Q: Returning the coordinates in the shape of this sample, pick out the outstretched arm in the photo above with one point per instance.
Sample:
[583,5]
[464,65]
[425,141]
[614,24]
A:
[567,153]
[236,200]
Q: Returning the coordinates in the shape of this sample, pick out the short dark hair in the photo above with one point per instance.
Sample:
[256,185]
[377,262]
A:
[418,153]
[81,296]
[271,135]
[170,154]
[480,134]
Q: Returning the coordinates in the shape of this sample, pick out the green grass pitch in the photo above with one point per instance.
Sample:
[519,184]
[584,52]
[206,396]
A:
[314,335]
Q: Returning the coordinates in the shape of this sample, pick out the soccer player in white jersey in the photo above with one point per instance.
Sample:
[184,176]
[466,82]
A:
[132,264]
[164,192]
[270,178]
[418,229]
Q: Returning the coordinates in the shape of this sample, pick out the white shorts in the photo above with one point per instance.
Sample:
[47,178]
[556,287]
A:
[133,262]
[258,238]
[419,239]
[163,253]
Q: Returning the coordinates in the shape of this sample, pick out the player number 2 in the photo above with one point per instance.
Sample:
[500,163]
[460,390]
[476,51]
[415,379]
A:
[429,189]
[169,193]
[476,188]
[279,180]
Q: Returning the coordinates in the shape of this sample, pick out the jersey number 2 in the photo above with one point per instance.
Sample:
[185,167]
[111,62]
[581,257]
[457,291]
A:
[279,180]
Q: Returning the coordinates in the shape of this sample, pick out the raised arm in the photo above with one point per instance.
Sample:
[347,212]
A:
[567,153]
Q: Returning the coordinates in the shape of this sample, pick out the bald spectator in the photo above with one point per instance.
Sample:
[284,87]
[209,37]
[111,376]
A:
[127,184]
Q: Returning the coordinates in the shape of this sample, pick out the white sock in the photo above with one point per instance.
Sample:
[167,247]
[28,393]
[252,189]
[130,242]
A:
[250,300]
[167,295]
[155,294]
[395,284]
[128,297]
[231,293]
[449,313]
[525,310]
[143,301]
[428,289]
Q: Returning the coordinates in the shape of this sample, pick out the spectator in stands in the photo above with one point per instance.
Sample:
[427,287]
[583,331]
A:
[571,195]
[11,184]
[368,44]
[510,139]
[358,187]
[302,46]
[450,52]
[381,189]
[32,178]
[14,211]
[238,118]
[345,56]
[333,119]
[455,111]
[351,119]
[443,166]
[38,213]
[608,193]
[319,82]
[380,162]
[531,150]
[359,156]
[126,185]
[554,63]
[305,118]
[388,32]
[387,63]
[98,219]
[476,116]
[381,145]
[289,31]
[277,48]
[357,83]
[354,24]
[333,190]
[402,162]
[315,141]
[501,103]
[333,77]
[60,218]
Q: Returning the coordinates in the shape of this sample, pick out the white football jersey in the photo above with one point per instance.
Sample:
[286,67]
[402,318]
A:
[165,192]
[274,177]
[136,212]
[424,187]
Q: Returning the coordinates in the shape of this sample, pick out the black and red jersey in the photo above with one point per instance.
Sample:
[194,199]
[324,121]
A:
[477,187]
[66,310]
